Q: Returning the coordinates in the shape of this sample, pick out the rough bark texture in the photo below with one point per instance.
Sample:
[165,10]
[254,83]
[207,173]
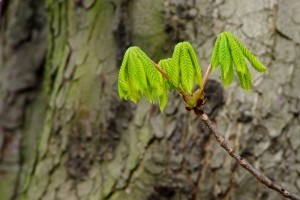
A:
[92,146]
[22,55]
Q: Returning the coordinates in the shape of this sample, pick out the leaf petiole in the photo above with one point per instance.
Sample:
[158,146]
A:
[160,70]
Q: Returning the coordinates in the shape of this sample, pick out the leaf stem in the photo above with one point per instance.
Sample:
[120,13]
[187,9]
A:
[163,73]
[206,75]
[244,163]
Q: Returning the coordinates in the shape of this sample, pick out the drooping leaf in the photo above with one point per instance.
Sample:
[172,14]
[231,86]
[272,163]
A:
[155,81]
[152,74]
[134,95]
[163,101]
[187,70]
[215,55]
[237,51]
[237,55]
[173,72]
[138,77]
[228,78]
[196,66]
[242,70]
[122,80]
[240,64]
[185,59]
[225,60]
[256,64]
[245,79]
[176,55]
[154,78]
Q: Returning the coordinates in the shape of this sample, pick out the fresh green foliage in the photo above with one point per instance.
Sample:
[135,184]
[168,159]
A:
[186,63]
[215,55]
[256,64]
[173,72]
[225,61]
[139,76]
[230,51]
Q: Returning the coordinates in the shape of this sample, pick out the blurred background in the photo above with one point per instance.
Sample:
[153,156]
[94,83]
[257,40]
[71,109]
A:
[66,135]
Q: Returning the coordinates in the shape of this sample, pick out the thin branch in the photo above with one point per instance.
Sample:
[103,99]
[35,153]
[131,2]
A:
[163,73]
[245,164]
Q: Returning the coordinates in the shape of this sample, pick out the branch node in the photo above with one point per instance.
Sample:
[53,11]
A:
[231,151]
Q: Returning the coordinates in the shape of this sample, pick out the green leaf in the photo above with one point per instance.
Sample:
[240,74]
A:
[184,58]
[256,64]
[196,66]
[245,79]
[237,55]
[123,87]
[215,55]
[176,57]
[227,80]
[172,70]
[163,101]
[186,69]
[138,77]
[242,70]
[134,95]
[225,60]
[155,83]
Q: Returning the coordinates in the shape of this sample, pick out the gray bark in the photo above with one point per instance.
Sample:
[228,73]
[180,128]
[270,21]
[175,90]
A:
[22,55]
[91,145]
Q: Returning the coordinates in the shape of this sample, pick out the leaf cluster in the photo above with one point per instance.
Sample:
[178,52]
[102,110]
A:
[183,68]
[138,76]
[228,52]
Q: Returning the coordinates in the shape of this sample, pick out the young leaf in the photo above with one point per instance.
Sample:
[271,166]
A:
[256,64]
[123,86]
[186,69]
[239,63]
[196,66]
[184,58]
[237,55]
[225,60]
[215,55]
[155,82]
[134,95]
[173,72]
[138,77]
[163,101]
[228,78]
[245,79]
[176,57]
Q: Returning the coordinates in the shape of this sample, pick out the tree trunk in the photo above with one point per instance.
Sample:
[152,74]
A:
[23,33]
[80,141]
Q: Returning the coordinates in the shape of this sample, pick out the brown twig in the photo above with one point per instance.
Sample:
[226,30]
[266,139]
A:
[245,164]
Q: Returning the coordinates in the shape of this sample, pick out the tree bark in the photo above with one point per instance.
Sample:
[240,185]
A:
[80,141]
[23,33]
